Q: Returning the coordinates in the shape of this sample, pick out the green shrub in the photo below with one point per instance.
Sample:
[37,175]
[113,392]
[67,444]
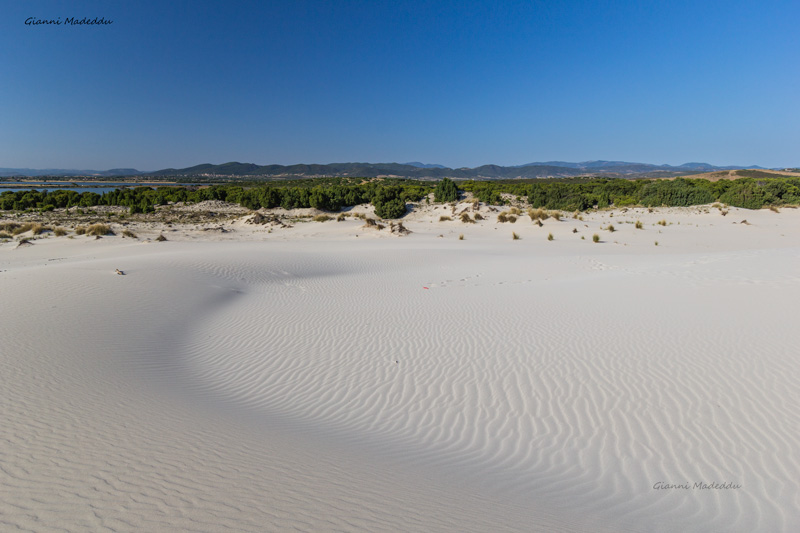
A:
[389,202]
[595,238]
[445,191]
[639,224]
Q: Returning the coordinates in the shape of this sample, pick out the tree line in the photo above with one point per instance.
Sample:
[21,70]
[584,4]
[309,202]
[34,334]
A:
[390,196]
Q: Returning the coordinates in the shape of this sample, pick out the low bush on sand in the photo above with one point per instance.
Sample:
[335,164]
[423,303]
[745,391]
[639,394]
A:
[161,238]
[595,238]
[80,230]
[611,228]
[444,218]
[466,218]
[321,218]
[639,224]
[128,233]
[478,216]
[549,236]
[514,236]
[502,217]
[662,222]
[461,237]
[60,232]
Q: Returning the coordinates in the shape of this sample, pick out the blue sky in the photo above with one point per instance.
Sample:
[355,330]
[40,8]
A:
[456,83]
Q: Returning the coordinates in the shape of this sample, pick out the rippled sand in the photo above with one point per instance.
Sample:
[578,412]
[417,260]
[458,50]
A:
[324,382]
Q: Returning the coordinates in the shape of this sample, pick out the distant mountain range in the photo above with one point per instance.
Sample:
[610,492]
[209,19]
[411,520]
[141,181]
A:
[417,170]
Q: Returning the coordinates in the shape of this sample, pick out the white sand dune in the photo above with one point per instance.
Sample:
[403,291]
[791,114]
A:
[325,383]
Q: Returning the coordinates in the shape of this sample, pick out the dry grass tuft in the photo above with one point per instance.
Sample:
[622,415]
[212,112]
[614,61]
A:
[549,236]
[513,210]
[80,230]
[8,226]
[611,228]
[774,209]
[662,222]
[639,224]
[129,233]
[5,235]
[538,214]
[99,230]
[444,218]
[321,218]
[341,216]
[502,217]
[466,218]
[461,237]
[60,232]
[514,236]
[161,238]
[595,238]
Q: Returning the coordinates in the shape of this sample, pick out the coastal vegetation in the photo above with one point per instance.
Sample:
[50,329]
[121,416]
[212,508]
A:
[391,196]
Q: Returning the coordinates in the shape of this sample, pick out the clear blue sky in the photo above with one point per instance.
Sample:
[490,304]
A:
[174,84]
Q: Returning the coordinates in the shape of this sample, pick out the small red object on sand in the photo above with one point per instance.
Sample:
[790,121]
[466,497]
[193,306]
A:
[424,287]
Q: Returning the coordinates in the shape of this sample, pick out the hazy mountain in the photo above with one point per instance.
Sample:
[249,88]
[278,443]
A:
[407,170]
[423,165]
[33,172]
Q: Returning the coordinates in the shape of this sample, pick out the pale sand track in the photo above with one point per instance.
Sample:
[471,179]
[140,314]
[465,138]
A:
[317,385]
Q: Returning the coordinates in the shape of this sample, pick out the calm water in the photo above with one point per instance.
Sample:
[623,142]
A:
[106,186]
[98,190]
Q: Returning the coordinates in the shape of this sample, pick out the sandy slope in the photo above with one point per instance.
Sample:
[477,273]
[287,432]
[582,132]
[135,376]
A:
[330,377]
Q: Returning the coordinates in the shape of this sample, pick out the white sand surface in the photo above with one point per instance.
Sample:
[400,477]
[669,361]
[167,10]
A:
[330,377]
